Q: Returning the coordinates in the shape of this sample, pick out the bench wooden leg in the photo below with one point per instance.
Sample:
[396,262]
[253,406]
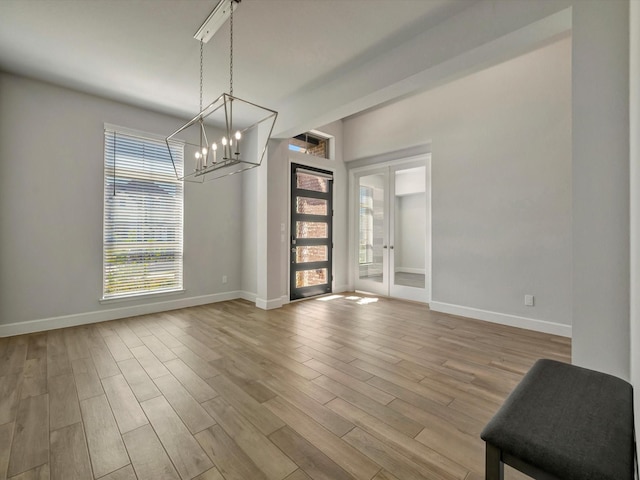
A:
[494,468]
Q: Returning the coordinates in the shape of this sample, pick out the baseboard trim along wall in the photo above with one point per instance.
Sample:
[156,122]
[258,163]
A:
[417,271]
[503,319]
[41,325]
[269,304]
[248,296]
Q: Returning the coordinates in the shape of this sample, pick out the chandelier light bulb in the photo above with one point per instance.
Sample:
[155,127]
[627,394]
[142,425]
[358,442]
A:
[238,136]
[214,147]
[204,151]
[224,141]
[197,154]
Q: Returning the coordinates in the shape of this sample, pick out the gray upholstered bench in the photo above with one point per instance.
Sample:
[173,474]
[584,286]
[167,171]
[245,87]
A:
[564,422]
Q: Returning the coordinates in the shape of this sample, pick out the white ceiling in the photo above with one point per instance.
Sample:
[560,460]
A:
[143,51]
[312,60]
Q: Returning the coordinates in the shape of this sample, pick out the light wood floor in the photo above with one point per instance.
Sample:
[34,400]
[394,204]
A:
[334,389]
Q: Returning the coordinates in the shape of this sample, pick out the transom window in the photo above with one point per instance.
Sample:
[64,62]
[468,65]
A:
[310,144]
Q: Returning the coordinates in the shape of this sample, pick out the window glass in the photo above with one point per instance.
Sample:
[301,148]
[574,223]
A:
[310,144]
[311,206]
[312,229]
[309,278]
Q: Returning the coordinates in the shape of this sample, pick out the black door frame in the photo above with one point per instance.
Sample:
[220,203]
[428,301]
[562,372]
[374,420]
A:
[305,292]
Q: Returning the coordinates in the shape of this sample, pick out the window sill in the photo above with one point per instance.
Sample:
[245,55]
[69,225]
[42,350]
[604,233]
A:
[139,296]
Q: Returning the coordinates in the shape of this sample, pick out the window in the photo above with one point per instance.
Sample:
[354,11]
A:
[310,144]
[366,225]
[143,211]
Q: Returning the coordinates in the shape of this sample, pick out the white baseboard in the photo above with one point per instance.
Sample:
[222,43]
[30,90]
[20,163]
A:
[43,324]
[248,296]
[269,304]
[417,271]
[503,319]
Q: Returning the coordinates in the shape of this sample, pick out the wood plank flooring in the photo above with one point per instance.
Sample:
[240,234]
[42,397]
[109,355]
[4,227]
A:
[325,389]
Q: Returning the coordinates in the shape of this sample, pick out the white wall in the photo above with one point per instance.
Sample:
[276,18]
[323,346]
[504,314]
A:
[51,210]
[600,179]
[634,91]
[501,182]
[249,227]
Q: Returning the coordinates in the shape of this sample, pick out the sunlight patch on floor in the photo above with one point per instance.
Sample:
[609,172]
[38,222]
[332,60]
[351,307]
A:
[354,298]
[329,298]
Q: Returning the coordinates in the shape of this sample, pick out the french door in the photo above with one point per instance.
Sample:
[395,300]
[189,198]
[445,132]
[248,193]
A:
[392,251]
[311,232]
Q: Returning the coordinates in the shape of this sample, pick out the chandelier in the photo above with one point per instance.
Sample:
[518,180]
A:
[230,135]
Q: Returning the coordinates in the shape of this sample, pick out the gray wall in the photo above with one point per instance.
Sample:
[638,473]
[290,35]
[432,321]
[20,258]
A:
[600,178]
[634,55]
[249,233]
[501,181]
[51,208]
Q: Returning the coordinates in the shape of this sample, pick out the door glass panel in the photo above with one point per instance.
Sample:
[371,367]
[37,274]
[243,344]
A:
[312,253]
[409,227]
[309,278]
[311,206]
[306,181]
[312,229]
[371,227]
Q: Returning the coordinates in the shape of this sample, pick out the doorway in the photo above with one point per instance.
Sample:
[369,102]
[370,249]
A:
[311,244]
[392,221]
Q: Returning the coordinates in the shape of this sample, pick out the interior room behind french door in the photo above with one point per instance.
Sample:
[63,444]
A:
[392,217]
[311,232]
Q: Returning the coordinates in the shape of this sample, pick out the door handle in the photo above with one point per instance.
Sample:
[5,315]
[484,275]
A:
[384,246]
[391,247]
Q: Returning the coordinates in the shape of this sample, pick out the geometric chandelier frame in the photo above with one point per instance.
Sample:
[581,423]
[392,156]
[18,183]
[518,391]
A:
[227,158]
[242,129]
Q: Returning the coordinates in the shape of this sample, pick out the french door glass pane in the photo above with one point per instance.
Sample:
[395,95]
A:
[312,183]
[309,278]
[312,229]
[311,206]
[371,227]
[409,231]
[312,253]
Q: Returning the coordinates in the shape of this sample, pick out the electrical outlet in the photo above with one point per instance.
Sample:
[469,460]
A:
[224,279]
[528,300]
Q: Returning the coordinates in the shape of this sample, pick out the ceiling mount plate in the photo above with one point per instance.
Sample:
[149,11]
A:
[215,20]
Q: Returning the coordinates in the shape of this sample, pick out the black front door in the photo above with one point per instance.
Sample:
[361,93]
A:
[311,231]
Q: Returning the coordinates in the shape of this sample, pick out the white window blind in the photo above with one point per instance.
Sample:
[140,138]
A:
[143,215]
